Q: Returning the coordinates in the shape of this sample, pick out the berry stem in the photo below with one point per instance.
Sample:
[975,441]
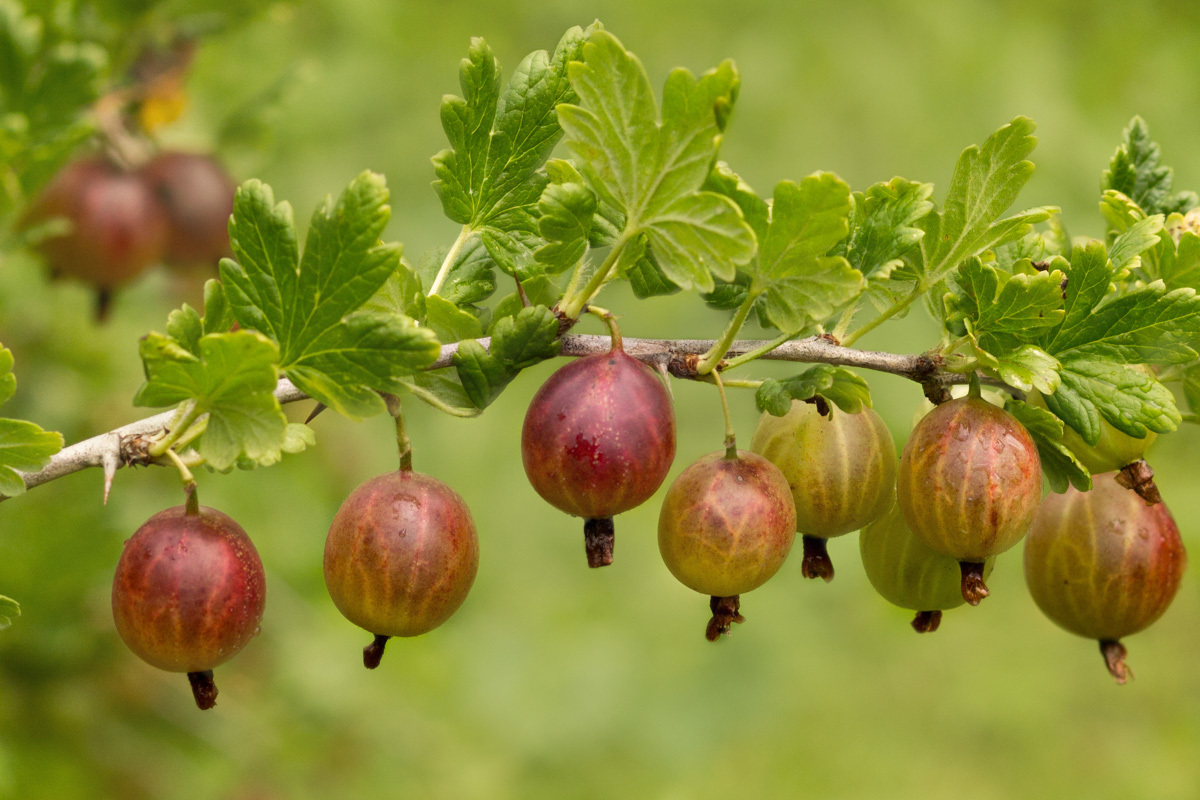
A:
[710,360]
[403,443]
[927,621]
[762,350]
[730,435]
[1114,658]
[599,538]
[1139,477]
[189,480]
[725,612]
[892,311]
[816,563]
[974,389]
[611,322]
[973,587]
[373,653]
[177,430]
[204,689]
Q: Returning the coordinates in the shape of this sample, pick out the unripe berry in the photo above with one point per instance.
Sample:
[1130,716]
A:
[907,573]
[1103,564]
[969,483]
[400,557]
[726,526]
[840,467]
[598,439]
[188,594]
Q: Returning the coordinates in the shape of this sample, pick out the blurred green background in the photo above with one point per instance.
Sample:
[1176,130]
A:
[554,681]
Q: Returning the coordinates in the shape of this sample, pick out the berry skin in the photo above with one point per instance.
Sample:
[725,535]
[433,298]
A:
[726,527]
[197,195]
[400,557]
[841,469]
[1103,564]
[118,228]
[189,593]
[969,484]
[907,573]
[598,439]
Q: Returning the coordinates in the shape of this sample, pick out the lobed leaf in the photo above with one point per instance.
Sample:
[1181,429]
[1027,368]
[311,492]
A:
[1059,465]
[650,167]
[24,446]
[312,307]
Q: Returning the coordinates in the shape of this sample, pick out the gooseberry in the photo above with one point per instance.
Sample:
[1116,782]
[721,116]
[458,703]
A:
[840,467]
[117,227]
[969,483]
[726,526]
[189,593]
[907,573]
[598,439]
[1103,564]
[400,557]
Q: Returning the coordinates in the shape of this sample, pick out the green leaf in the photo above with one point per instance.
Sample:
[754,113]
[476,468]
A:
[24,446]
[1150,325]
[567,211]
[400,294]
[1179,263]
[651,167]
[882,223]
[645,277]
[526,339]
[309,306]
[450,322]
[836,384]
[1191,387]
[443,390]
[755,210]
[471,278]
[1026,368]
[1127,398]
[1126,250]
[1097,339]
[1135,171]
[799,284]
[231,377]
[539,291]
[1059,465]
[483,376]
[518,342]
[985,183]
[500,139]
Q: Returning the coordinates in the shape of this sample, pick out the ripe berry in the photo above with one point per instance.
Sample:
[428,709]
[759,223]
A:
[197,194]
[908,573]
[1103,564]
[840,467]
[969,484]
[117,227]
[400,557]
[726,526]
[189,594]
[598,439]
